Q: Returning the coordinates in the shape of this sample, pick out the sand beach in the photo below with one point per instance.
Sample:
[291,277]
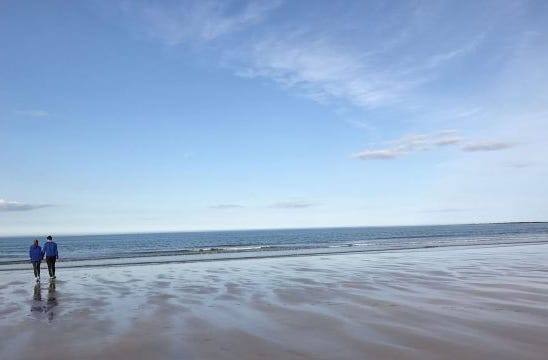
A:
[450,303]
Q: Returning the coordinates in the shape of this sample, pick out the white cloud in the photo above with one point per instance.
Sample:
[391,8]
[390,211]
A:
[447,132]
[6,205]
[305,55]
[325,72]
[413,142]
[377,154]
[410,143]
[202,20]
[32,112]
[323,67]
[426,142]
[487,146]
[447,141]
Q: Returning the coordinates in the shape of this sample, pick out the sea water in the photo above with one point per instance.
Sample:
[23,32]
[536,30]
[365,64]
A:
[118,249]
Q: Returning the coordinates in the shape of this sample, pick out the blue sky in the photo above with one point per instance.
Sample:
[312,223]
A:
[119,116]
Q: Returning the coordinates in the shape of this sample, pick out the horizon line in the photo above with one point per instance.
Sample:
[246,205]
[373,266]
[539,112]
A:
[274,229]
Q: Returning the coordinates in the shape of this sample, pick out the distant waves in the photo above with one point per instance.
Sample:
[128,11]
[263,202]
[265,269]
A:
[101,250]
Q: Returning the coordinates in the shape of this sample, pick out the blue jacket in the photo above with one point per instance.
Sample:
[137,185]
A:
[50,249]
[35,253]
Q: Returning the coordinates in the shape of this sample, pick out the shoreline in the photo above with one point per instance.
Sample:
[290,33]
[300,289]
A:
[238,255]
[449,303]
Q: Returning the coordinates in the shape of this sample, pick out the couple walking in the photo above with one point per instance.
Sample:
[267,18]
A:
[36,254]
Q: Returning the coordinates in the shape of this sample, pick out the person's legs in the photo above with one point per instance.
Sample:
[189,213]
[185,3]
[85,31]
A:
[38,268]
[53,265]
[35,267]
[49,262]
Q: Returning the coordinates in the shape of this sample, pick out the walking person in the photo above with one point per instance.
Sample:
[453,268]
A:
[50,250]
[36,255]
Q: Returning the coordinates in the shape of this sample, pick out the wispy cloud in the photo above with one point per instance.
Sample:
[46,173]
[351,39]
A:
[6,205]
[306,56]
[317,67]
[427,142]
[487,146]
[447,141]
[226,206]
[447,132]
[195,21]
[293,204]
[439,59]
[461,113]
[377,154]
[410,143]
[32,112]
[322,66]
[324,71]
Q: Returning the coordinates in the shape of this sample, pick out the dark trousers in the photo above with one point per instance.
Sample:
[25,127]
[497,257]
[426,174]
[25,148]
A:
[36,268]
[50,260]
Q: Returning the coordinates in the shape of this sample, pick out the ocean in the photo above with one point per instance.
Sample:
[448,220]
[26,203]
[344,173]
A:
[147,248]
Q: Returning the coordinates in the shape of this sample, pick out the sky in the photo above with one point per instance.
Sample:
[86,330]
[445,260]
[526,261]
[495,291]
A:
[143,116]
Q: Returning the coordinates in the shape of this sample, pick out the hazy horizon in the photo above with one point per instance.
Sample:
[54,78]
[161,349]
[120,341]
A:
[264,229]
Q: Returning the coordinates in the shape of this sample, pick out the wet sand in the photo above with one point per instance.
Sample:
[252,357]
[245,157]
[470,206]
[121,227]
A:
[453,303]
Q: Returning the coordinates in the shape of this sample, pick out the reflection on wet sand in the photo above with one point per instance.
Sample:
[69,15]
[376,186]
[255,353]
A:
[52,300]
[38,306]
[477,303]
[37,292]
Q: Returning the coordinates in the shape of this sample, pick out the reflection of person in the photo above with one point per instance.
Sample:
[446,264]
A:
[37,293]
[37,299]
[50,250]
[36,256]
[51,301]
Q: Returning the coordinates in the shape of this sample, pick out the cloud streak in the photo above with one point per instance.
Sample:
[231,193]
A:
[427,142]
[447,141]
[409,144]
[322,66]
[487,146]
[303,55]
[226,206]
[295,204]
[439,59]
[377,155]
[7,206]
[202,21]
[413,142]
[324,72]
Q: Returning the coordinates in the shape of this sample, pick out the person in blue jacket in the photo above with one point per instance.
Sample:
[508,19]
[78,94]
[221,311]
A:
[36,255]
[50,250]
